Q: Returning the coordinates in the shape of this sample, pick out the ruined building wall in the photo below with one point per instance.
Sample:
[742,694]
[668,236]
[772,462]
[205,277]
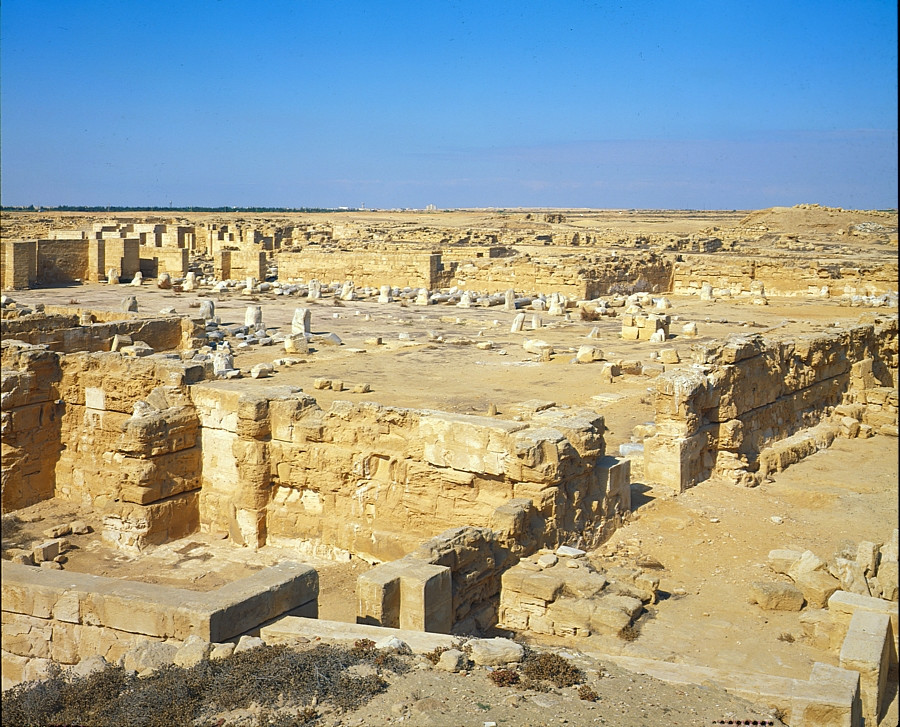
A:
[239,264]
[66,616]
[63,260]
[374,267]
[60,329]
[19,264]
[156,260]
[131,445]
[31,425]
[781,275]
[751,392]
[377,480]
[579,277]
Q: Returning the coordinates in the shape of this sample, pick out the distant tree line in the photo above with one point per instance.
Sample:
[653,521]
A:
[111,208]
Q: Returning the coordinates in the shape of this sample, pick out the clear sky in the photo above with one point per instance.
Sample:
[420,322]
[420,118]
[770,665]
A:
[701,105]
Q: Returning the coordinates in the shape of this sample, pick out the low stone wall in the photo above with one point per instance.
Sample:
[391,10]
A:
[781,276]
[31,425]
[65,616]
[752,392]
[156,260]
[373,266]
[61,329]
[377,481]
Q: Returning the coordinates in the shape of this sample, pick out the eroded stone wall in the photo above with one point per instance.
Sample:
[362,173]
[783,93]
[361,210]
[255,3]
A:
[373,266]
[68,616]
[31,422]
[790,276]
[61,329]
[377,481]
[751,392]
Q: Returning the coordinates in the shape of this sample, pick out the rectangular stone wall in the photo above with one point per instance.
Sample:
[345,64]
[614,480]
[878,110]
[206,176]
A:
[371,267]
[137,465]
[377,481]
[240,264]
[19,264]
[781,276]
[156,260]
[60,329]
[31,425]
[63,261]
[124,256]
[67,616]
[752,392]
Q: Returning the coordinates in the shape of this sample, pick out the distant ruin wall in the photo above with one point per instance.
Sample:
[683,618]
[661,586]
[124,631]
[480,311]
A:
[62,331]
[781,276]
[156,260]
[63,261]
[240,264]
[576,277]
[68,616]
[377,481]
[19,264]
[372,267]
[752,392]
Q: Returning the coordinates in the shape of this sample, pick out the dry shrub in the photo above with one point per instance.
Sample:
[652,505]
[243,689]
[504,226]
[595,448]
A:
[589,314]
[174,696]
[587,694]
[435,656]
[553,668]
[504,677]
[630,633]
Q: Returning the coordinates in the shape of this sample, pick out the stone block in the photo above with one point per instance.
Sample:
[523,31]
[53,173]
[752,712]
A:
[844,605]
[781,560]
[868,649]
[426,600]
[495,652]
[817,587]
[149,656]
[613,613]
[542,585]
[776,596]
[378,597]
[887,580]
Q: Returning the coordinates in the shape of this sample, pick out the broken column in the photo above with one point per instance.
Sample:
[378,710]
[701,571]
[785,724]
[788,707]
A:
[301,322]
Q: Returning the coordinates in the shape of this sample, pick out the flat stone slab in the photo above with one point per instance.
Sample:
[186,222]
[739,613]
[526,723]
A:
[289,629]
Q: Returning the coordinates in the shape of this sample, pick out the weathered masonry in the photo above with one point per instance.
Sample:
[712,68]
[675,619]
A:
[751,405]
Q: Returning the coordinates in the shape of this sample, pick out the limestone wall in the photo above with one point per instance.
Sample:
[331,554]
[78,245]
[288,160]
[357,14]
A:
[373,266]
[60,329]
[781,275]
[377,481]
[240,264]
[68,616]
[18,263]
[138,465]
[576,276]
[31,425]
[61,261]
[752,392]
[156,260]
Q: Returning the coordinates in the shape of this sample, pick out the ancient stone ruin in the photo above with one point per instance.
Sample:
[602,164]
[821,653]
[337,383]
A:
[454,408]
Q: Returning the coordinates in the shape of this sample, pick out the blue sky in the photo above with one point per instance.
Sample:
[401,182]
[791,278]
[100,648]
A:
[701,105]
